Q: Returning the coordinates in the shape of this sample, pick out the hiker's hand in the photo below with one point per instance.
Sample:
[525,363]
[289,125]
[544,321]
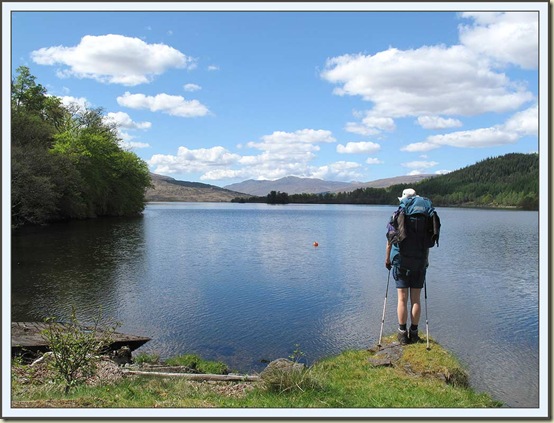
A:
[388,265]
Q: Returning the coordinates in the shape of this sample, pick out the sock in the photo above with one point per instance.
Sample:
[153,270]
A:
[402,327]
[413,328]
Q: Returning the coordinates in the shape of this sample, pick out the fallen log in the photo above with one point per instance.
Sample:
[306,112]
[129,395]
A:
[197,376]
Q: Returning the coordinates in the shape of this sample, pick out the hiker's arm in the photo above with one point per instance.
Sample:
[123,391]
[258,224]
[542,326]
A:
[387,259]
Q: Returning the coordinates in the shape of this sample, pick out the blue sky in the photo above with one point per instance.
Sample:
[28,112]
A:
[222,97]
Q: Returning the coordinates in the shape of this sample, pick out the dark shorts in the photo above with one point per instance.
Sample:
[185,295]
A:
[408,279]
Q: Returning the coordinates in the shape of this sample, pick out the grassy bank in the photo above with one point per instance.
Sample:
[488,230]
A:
[417,379]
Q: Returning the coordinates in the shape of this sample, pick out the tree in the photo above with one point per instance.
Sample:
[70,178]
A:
[67,162]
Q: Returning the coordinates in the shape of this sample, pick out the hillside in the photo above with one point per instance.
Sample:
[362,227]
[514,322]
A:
[387,182]
[169,189]
[295,185]
[511,180]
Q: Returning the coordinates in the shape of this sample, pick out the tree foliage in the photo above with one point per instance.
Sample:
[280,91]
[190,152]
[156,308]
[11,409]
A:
[67,162]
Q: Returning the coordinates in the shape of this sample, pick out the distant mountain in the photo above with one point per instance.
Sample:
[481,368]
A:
[290,185]
[169,189]
[295,185]
[387,182]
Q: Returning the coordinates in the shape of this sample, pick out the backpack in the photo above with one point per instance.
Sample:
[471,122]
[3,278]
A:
[418,227]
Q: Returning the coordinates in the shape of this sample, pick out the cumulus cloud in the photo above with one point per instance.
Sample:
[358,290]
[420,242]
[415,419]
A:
[370,124]
[431,80]
[299,143]
[373,160]
[339,170]
[113,59]
[437,122]
[190,161]
[80,103]
[277,155]
[192,87]
[123,120]
[419,164]
[173,105]
[519,125]
[132,145]
[507,37]
[358,148]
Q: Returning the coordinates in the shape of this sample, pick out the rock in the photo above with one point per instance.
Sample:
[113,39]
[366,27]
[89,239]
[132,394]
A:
[281,373]
[122,356]
[387,355]
[281,365]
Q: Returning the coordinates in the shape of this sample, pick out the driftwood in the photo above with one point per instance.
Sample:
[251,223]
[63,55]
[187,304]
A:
[198,376]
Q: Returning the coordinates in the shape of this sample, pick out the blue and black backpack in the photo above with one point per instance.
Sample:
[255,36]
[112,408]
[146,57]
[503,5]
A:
[418,227]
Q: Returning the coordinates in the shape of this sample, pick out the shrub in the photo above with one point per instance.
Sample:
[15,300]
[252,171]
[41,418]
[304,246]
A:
[75,348]
[145,358]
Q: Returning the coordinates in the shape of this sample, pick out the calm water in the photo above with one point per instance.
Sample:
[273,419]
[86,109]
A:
[243,283]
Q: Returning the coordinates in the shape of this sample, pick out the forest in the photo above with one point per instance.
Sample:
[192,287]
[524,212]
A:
[509,181]
[66,161]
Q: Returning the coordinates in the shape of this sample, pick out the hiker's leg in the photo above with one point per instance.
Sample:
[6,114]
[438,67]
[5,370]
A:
[402,308]
[415,300]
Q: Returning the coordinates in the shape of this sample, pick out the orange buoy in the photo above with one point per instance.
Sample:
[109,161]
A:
[315,244]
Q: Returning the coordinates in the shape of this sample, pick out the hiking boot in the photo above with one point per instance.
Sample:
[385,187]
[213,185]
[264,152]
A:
[414,336]
[403,337]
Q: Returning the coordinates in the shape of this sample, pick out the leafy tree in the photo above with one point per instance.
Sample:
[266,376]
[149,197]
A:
[67,162]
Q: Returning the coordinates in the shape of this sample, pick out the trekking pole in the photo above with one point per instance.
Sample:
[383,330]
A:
[384,307]
[426,319]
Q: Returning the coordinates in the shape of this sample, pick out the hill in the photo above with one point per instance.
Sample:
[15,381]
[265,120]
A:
[387,182]
[511,180]
[295,185]
[166,188]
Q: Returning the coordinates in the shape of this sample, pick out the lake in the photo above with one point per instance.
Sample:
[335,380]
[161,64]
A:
[243,283]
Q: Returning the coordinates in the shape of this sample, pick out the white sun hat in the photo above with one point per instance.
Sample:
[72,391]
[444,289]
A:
[407,193]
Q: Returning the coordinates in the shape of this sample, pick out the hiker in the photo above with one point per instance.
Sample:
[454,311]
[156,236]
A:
[412,230]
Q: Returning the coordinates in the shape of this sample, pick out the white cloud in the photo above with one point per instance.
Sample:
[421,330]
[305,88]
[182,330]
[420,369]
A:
[192,87]
[431,80]
[280,154]
[190,161]
[113,59]
[213,68]
[301,142]
[419,164]
[507,38]
[358,148]
[519,125]
[132,145]
[524,123]
[80,103]
[437,122]
[345,171]
[123,120]
[372,161]
[371,125]
[173,105]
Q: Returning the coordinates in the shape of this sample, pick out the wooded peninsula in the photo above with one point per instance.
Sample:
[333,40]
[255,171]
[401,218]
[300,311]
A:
[66,160]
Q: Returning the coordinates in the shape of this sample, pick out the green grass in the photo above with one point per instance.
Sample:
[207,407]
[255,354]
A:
[198,364]
[347,380]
